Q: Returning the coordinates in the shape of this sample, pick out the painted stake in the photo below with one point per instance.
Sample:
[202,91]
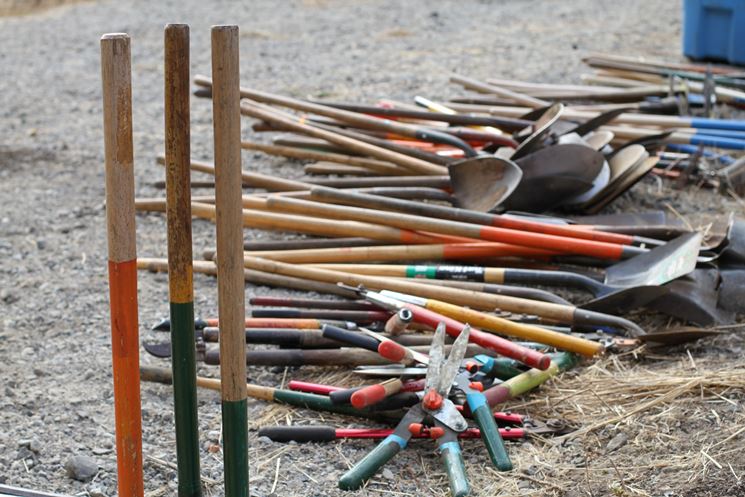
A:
[181,290]
[120,217]
[229,222]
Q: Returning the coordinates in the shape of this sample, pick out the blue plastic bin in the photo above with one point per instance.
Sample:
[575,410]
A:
[714,30]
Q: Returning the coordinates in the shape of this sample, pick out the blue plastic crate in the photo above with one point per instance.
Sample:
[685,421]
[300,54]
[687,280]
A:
[714,30]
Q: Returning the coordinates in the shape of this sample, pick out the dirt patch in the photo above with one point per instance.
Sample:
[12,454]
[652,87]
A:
[27,7]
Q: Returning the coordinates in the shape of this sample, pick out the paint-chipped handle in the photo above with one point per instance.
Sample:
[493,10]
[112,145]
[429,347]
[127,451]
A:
[489,431]
[452,459]
[371,463]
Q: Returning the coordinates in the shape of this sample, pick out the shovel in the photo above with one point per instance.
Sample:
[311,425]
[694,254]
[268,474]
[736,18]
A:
[553,174]
[627,285]
[478,182]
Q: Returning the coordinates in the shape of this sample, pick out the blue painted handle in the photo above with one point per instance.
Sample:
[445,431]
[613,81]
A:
[715,141]
[704,123]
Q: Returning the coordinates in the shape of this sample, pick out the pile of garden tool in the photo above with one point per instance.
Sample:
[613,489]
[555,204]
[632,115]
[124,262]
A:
[460,253]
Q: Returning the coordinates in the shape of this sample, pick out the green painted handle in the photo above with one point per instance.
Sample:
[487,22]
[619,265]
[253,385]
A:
[371,463]
[452,459]
[491,437]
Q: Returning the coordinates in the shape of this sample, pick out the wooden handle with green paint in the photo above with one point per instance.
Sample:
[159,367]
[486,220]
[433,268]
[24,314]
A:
[452,459]
[372,462]
[489,431]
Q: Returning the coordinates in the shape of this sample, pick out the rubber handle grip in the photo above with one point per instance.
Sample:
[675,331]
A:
[371,463]
[372,394]
[301,434]
[367,396]
[401,400]
[392,351]
[489,431]
[344,396]
[350,337]
[554,278]
[452,459]
[504,369]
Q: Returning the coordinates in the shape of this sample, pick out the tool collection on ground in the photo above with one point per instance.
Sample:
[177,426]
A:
[429,226]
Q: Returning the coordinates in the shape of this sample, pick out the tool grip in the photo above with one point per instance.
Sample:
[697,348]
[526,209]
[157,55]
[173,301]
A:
[350,337]
[371,463]
[299,434]
[489,431]
[372,394]
[343,396]
[452,459]
[504,369]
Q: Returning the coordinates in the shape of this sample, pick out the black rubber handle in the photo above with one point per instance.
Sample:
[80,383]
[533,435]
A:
[300,434]
[350,337]
[431,135]
[553,278]
[343,396]
[398,401]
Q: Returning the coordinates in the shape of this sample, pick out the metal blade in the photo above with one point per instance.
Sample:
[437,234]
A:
[450,416]
[436,356]
[387,372]
[452,366]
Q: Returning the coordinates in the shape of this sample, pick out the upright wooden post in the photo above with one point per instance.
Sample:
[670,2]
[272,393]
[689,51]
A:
[120,217]
[229,222]
[181,288]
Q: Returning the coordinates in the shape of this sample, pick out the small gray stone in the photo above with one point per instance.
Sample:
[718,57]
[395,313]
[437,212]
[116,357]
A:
[34,445]
[81,468]
[617,442]
[388,474]
[96,492]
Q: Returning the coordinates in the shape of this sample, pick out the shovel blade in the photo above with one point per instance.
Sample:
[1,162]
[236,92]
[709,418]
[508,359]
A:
[482,183]
[732,289]
[694,298]
[658,266]
[162,349]
[626,299]
[678,336]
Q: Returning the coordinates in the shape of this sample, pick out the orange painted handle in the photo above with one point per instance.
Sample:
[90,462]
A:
[125,348]
[372,394]
[310,324]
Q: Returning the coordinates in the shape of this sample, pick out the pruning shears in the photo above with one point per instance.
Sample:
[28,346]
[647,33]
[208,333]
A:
[437,415]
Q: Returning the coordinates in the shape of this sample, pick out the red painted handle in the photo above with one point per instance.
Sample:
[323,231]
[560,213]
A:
[368,396]
[527,356]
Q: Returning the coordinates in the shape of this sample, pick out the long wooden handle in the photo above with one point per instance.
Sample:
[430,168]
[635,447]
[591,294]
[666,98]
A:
[116,80]
[181,293]
[262,112]
[250,276]
[520,98]
[379,166]
[476,300]
[386,253]
[567,245]
[355,118]
[229,224]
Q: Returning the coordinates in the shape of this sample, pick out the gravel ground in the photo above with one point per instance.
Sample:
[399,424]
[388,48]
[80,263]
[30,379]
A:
[54,338]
